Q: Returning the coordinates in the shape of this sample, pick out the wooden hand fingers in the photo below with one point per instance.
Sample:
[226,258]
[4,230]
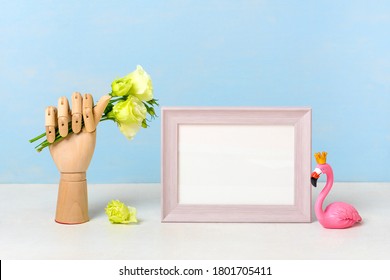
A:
[51,123]
[63,116]
[89,120]
[83,111]
[77,112]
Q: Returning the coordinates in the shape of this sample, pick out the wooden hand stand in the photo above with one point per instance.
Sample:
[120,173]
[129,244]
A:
[72,203]
[72,155]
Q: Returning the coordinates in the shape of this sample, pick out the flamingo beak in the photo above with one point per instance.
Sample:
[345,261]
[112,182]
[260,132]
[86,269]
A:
[314,176]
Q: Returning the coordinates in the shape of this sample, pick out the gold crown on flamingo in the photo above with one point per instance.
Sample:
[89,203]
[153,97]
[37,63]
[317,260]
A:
[321,157]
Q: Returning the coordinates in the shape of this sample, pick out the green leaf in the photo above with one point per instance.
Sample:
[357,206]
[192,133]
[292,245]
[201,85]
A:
[108,108]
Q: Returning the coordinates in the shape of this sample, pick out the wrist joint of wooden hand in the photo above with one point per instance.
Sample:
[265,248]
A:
[73,176]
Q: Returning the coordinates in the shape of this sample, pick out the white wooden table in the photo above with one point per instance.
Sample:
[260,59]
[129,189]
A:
[28,230]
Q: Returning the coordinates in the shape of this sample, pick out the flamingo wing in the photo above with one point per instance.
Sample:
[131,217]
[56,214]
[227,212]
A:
[342,215]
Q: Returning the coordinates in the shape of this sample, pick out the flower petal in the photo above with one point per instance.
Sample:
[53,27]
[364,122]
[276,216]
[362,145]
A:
[129,129]
[142,86]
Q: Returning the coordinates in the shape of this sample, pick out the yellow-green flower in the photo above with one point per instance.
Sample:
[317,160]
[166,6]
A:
[121,87]
[119,213]
[138,83]
[141,84]
[129,114]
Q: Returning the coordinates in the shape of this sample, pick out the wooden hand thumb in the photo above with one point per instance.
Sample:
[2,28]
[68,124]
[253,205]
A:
[98,110]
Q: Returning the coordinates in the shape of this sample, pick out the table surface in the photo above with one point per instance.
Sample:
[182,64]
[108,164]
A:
[28,230]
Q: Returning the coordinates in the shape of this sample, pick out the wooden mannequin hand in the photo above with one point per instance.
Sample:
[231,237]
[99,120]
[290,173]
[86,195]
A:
[73,154]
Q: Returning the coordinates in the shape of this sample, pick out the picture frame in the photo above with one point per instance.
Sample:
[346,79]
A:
[236,164]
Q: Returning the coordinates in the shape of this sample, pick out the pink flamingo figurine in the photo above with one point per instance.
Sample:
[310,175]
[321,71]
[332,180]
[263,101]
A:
[337,214]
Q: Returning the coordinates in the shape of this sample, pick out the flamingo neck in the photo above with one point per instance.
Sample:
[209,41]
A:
[323,194]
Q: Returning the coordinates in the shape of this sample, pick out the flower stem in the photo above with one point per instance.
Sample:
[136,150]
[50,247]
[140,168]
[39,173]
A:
[46,143]
[37,138]
[105,119]
[115,99]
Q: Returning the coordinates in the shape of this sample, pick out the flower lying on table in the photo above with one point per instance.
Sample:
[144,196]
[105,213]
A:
[119,213]
[131,101]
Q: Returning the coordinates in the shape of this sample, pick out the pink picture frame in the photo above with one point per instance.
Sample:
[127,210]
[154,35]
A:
[236,164]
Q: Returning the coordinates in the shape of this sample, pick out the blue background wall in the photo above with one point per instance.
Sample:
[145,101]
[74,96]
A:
[333,56]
